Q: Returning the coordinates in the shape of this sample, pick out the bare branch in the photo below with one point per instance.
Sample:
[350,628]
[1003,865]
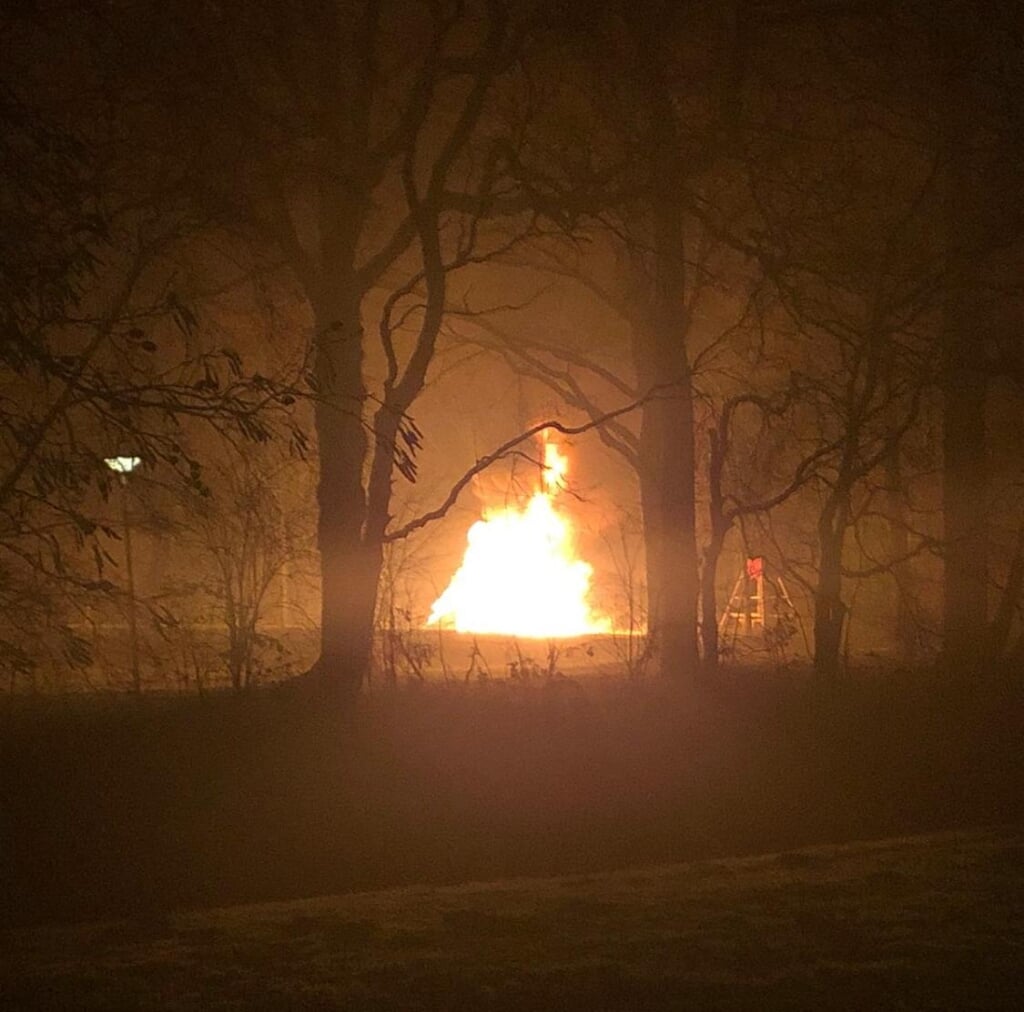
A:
[505,450]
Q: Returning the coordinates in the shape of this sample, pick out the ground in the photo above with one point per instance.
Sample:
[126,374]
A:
[923,922]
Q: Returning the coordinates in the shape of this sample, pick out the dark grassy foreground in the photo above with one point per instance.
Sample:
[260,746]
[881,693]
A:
[930,922]
[120,807]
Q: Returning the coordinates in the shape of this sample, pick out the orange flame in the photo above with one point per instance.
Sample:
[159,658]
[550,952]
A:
[520,575]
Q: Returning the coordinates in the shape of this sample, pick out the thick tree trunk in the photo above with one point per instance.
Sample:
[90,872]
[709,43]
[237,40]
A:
[667,455]
[348,575]
[964,479]
[667,489]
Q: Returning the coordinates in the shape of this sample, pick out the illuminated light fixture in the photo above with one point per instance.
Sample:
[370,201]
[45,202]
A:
[122,465]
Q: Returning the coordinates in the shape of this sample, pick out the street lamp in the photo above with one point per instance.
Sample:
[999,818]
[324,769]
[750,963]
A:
[122,467]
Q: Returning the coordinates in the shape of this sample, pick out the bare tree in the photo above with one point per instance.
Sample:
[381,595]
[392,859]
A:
[975,74]
[354,141]
[96,361]
[250,533]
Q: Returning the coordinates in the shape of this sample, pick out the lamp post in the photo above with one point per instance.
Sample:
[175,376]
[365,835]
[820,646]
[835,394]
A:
[122,467]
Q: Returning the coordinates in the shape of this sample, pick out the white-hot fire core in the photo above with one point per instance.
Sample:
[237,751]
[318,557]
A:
[520,575]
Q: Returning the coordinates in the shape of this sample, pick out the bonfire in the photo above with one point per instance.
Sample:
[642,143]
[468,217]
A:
[520,575]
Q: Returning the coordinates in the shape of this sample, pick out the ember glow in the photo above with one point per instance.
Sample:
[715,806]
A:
[520,575]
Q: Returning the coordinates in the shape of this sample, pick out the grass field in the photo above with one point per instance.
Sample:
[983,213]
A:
[114,807]
[926,922]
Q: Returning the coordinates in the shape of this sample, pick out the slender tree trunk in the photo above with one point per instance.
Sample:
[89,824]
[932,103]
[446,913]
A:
[1009,602]
[903,626]
[709,604]
[829,609]
[719,525]
[650,512]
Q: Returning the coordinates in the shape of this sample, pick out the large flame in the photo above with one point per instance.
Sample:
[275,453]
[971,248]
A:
[520,575]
